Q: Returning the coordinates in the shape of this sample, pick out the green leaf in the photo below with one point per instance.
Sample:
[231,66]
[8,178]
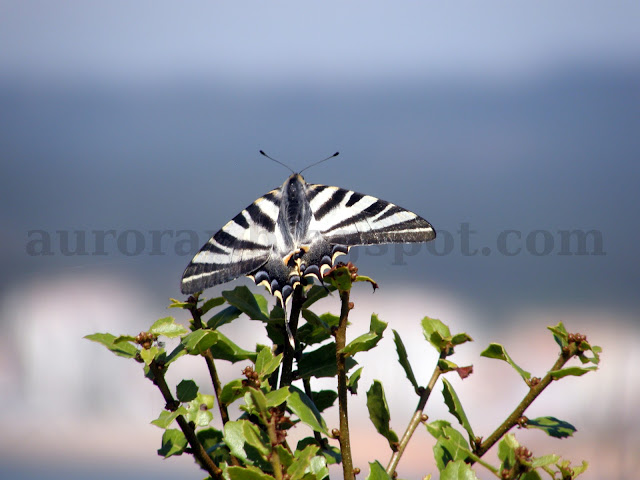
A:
[497,351]
[574,371]
[286,458]
[125,349]
[461,338]
[577,470]
[125,338]
[256,404]
[352,383]
[212,441]
[403,358]
[506,451]
[277,397]
[435,332]
[532,475]
[377,472]
[166,417]
[322,362]
[331,454]
[458,470]
[379,413]
[340,279]
[148,355]
[552,426]
[256,438]
[455,407]
[318,468]
[277,314]
[168,327]
[306,411]
[178,304]
[267,362]
[302,462]
[186,390]
[446,365]
[232,391]
[368,340]
[317,329]
[450,446]
[173,443]
[199,410]
[315,293]
[199,341]
[364,278]
[276,332]
[595,359]
[247,443]
[247,473]
[324,399]
[560,335]
[225,349]
[211,303]
[253,305]
[436,428]
[224,316]
[175,354]
[544,461]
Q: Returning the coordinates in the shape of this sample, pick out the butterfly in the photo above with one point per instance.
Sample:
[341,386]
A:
[298,230]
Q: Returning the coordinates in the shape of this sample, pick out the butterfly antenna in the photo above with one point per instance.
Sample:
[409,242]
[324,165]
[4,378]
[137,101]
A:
[277,161]
[323,160]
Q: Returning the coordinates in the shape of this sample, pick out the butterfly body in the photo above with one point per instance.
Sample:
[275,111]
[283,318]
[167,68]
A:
[296,231]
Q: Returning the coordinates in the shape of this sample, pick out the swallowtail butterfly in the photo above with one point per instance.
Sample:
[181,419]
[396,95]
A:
[295,231]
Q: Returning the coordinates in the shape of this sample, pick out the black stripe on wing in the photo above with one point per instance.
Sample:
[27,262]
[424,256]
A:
[199,276]
[332,202]
[260,218]
[417,230]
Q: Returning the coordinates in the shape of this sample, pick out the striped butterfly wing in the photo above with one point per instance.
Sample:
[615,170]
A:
[239,248]
[283,236]
[344,217]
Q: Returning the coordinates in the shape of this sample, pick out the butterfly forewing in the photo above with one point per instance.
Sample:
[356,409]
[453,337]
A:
[241,247]
[351,218]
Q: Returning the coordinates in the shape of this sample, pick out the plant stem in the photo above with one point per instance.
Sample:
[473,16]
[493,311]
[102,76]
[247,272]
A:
[196,447]
[274,458]
[513,419]
[486,465]
[416,419]
[341,340]
[217,387]
[208,357]
[287,361]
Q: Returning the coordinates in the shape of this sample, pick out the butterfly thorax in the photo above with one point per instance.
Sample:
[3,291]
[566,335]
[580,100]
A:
[295,214]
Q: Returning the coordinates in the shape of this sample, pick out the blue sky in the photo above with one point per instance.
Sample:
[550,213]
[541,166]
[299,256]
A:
[328,42]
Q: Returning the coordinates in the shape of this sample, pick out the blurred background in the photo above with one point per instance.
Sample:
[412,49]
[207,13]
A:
[129,133]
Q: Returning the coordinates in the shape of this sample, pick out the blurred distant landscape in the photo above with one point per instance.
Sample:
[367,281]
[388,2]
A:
[555,152]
